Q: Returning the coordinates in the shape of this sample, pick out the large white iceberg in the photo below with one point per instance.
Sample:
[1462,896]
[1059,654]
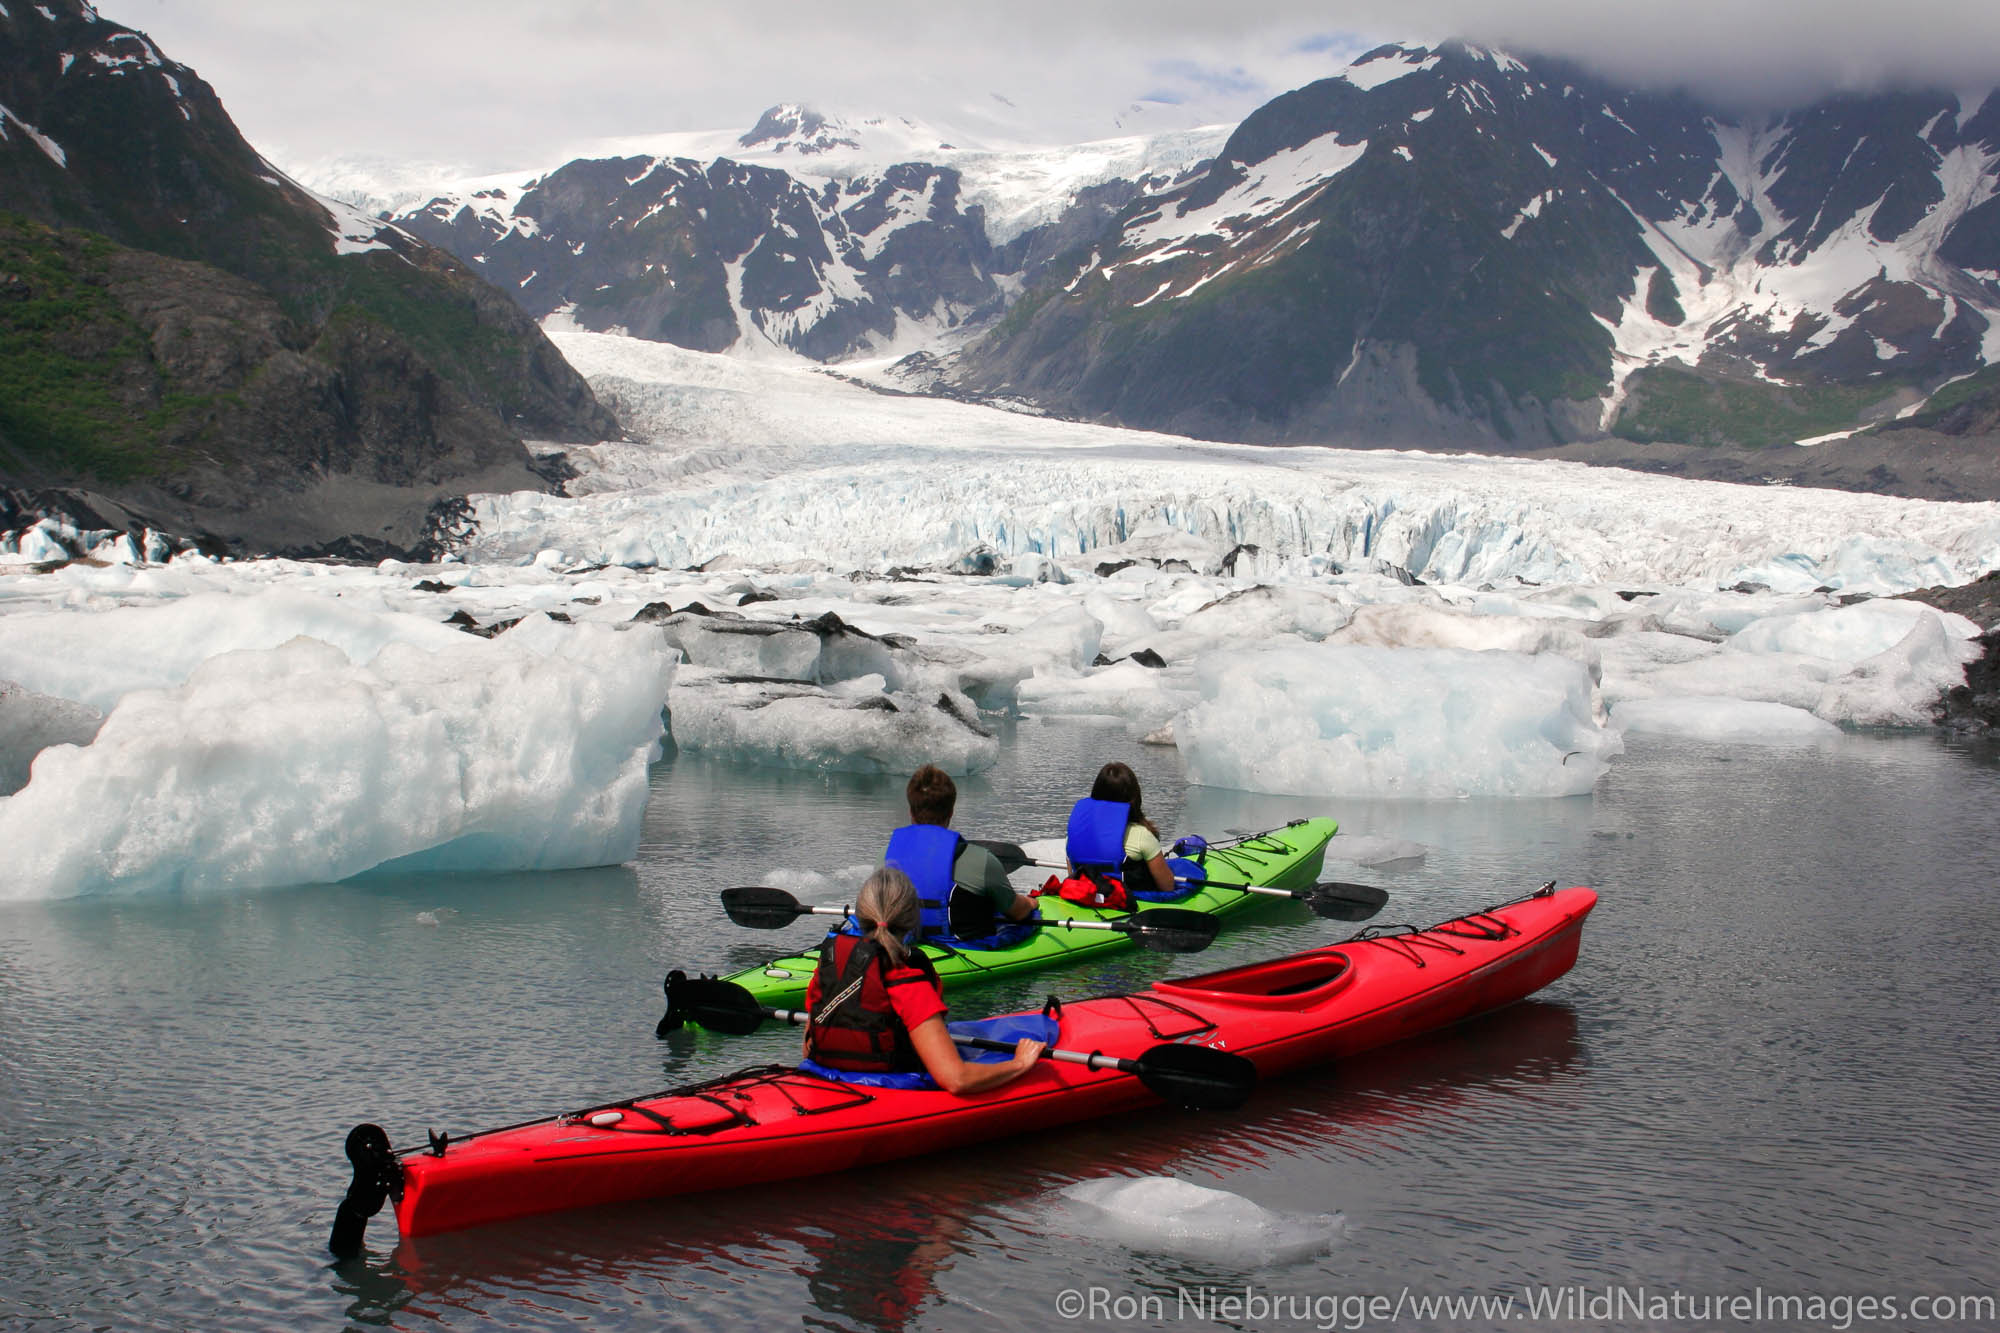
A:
[294,764]
[1335,720]
[97,657]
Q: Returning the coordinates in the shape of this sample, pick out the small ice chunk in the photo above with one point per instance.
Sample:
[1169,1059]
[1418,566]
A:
[1160,1214]
[1365,849]
[829,888]
[1034,567]
[1265,612]
[785,725]
[1335,720]
[1063,640]
[1145,696]
[1123,618]
[1411,625]
[1710,718]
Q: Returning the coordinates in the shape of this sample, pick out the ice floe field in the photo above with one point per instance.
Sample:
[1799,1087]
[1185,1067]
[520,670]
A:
[291,846]
[806,571]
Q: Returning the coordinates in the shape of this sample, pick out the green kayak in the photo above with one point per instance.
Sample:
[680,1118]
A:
[1283,858]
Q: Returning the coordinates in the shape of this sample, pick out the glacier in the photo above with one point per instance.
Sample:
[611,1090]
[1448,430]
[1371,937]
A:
[788,568]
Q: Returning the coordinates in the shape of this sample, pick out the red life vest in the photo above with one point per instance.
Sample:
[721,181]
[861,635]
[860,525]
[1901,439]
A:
[853,1024]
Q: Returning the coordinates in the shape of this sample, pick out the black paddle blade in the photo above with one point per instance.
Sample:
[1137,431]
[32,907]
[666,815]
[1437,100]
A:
[1171,929]
[1337,901]
[761,908]
[1010,856]
[377,1175]
[671,1020]
[719,1006]
[1197,1077]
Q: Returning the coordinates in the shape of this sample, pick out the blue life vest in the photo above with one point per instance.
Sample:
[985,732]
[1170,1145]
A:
[925,852]
[1097,835]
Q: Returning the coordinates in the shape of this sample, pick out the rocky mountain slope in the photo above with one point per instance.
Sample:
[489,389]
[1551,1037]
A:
[190,340]
[1455,243]
[826,237]
[1438,246]
[1451,245]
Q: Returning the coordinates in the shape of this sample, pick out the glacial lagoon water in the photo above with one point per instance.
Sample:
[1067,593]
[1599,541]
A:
[1773,1069]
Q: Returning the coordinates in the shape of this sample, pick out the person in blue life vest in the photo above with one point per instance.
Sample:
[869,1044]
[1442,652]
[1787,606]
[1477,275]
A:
[875,1008]
[940,863]
[1110,836]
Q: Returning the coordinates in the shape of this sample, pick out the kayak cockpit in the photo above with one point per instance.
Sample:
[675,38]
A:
[1282,983]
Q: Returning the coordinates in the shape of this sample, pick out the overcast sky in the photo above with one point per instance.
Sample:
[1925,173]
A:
[502,83]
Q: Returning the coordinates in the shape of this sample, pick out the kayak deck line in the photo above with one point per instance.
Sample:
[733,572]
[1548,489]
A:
[774,1122]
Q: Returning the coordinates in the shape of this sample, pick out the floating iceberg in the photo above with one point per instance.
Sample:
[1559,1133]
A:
[1899,686]
[294,764]
[98,657]
[1159,1214]
[1335,720]
[30,723]
[857,728]
[1735,721]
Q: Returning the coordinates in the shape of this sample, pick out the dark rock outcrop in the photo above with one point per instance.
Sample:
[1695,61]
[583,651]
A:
[185,331]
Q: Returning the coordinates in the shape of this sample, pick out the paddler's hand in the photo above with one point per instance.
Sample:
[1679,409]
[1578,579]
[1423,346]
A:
[1026,1052]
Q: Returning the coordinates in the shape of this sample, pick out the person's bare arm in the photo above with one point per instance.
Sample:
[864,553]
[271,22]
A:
[958,1075]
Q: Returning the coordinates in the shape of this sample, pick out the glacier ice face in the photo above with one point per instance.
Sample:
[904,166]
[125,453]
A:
[1415,722]
[295,764]
[775,464]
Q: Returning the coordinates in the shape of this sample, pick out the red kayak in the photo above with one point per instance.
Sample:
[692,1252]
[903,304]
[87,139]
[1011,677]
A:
[775,1123]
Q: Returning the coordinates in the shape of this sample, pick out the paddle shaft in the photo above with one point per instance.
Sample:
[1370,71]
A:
[777,907]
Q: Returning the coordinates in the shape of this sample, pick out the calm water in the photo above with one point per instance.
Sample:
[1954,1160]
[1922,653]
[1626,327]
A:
[1775,1066]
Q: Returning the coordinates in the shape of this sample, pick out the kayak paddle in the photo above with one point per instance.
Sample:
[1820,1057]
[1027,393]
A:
[1197,1077]
[1164,929]
[1335,900]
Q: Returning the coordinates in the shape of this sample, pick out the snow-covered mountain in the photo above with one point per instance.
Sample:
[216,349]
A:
[1438,245]
[1453,242]
[828,237]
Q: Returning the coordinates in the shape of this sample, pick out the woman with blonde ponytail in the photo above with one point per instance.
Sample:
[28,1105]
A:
[887,909]
[875,1008]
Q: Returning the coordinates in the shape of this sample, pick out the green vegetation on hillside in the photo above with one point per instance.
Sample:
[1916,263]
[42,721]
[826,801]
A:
[79,389]
[1671,404]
